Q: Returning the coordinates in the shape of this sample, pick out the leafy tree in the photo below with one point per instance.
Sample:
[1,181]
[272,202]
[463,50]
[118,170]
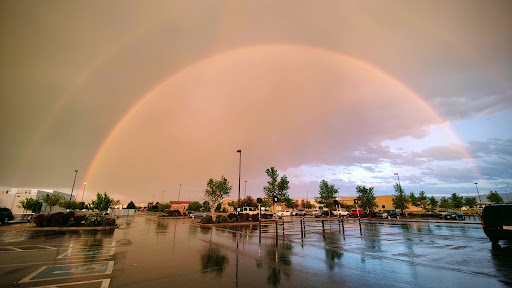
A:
[206,207]
[248,202]
[445,203]
[367,201]
[103,202]
[51,200]
[218,208]
[415,201]
[327,193]
[274,187]
[31,204]
[400,200]
[289,203]
[131,205]
[216,190]
[470,202]
[456,201]
[164,206]
[432,202]
[309,206]
[71,205]
[494,197]
[194,206]
[267,203]
[422,199]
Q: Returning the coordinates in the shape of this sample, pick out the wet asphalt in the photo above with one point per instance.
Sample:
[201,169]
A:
[147,251]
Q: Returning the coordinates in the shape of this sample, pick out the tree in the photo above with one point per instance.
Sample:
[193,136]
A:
[164,206]
[422,199]
[470,202]
[327,193]
[206,207]
[71,205]
[456,201]
[131,205]
[194,206]
[309,206]
[248,202]
[445,203]
[103,202]
[400,200]
[218,208]
[289,203]
[494,197]
[51,200]
[432,202]
[274,187]
[415,201]
[216,190]
[367,201]
[31,204]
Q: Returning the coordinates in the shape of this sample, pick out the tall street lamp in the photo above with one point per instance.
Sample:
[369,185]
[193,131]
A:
[73,188]
[179,193]
[398,180]
[479,200]
[245,193]
[239,172]
[83,191]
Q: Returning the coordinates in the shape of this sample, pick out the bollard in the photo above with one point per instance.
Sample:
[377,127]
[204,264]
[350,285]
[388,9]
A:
[343,225]
[304,221]
[360,229]
[259,228]
[323,227]
[283,226]
[339,224]
[301,230]
[277,236]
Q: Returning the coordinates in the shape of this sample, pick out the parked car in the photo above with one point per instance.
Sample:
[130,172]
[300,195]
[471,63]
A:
[355,212]
[388,213]
[442,212]
[327,213]
[300,213]
[340,213]
[454,215]
[431,213]
[497,222]
[284,213]
[197,215]
[6,215]
[316,213]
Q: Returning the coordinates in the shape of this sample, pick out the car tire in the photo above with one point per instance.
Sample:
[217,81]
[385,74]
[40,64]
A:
[6,221]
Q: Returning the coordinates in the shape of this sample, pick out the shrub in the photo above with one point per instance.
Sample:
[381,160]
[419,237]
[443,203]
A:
[221,219]
[255,217]
[232,216]
[94,220]
[109,221]
[39,220]
[207,219]
[79,219]
[244,217]
[58,219]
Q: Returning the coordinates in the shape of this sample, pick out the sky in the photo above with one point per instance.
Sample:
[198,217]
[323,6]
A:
[145,97]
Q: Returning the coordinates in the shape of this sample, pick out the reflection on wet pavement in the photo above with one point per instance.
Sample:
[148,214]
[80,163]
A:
[147,251]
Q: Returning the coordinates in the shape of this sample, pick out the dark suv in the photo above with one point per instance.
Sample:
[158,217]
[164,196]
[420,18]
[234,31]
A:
[5,215]
[497,222]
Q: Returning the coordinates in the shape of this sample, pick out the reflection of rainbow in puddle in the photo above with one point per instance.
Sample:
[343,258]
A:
[296,50]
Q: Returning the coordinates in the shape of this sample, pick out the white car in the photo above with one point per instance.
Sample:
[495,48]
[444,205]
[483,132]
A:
[340,213]
[285,213]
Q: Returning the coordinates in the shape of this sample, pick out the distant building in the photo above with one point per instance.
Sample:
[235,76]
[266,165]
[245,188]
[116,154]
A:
[179,205]
[10,199]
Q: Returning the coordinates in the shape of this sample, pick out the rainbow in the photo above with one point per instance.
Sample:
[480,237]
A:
[218,57]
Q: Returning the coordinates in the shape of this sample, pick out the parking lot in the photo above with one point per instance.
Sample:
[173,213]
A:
[149,251]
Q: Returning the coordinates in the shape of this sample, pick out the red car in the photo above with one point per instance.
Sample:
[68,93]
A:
[354,212]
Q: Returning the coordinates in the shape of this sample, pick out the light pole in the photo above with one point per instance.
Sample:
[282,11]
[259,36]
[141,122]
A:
[398,180]
[245,193]
[179,193]
[479,200]
[83,191]
[73,188]
[239,172]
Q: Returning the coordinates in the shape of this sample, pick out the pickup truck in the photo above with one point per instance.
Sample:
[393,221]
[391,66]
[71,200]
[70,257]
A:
[497,222]
[340,213]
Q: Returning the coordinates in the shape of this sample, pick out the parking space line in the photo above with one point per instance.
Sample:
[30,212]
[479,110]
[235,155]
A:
[104,284]
[68,271]
[87,252]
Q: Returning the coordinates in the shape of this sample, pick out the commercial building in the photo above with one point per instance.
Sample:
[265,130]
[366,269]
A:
[11,198]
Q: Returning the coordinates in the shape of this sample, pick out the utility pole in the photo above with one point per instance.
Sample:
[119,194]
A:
[179,193]
[73,188]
